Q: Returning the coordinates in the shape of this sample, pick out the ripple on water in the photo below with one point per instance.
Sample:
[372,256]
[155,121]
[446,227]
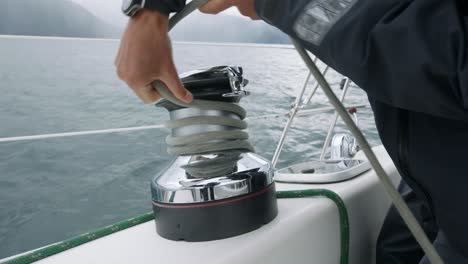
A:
[53,189]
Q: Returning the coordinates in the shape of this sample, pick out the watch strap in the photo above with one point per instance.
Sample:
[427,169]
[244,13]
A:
[165,6]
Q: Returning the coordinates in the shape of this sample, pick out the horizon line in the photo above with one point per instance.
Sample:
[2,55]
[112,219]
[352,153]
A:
[203,43]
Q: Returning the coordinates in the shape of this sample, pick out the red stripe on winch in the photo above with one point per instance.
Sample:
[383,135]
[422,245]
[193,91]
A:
[164,205]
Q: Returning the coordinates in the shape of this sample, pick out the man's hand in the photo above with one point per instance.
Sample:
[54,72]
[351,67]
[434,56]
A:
[145,56]
[246,7]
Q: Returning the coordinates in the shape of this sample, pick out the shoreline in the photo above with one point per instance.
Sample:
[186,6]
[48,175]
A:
[200,43]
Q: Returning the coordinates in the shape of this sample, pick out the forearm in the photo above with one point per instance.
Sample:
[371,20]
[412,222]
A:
[408,54]
[145,56]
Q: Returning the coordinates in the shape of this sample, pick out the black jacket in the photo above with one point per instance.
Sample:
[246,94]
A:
[411,57]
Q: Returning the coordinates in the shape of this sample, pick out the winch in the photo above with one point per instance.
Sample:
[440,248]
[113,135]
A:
[217,187]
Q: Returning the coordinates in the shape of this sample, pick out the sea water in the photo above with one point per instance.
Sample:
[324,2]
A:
[53,189]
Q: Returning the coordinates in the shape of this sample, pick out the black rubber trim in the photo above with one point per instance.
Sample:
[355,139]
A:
[216,220]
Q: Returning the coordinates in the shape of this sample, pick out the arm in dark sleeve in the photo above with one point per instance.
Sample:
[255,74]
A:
[409,54]
[166,6]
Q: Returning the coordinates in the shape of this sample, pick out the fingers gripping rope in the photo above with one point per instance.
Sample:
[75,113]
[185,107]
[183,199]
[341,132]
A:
[227,146]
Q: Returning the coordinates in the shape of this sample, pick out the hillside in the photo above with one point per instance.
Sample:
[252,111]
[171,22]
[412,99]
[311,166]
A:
[198,27]
[66,18]
[226,28]
[51,18]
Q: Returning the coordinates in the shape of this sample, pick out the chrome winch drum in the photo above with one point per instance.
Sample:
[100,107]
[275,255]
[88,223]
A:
[217,187]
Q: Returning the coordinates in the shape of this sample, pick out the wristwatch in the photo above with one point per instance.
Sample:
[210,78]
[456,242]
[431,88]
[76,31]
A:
[131,7]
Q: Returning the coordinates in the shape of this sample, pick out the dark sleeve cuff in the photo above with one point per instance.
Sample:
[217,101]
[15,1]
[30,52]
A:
[165,6]
[259,9]
[280,13]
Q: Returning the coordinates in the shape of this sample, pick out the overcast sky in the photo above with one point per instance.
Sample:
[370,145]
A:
[109,10]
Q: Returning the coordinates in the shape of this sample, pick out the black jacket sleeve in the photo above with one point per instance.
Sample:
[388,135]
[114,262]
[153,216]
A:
[166,6]
[410,54]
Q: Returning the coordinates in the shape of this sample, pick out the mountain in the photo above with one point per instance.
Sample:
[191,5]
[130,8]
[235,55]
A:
[226,28]
[52,18]
[103,19]
[110,11]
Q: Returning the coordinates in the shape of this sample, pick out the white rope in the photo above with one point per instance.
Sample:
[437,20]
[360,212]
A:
[400,204]
[302,112]
[81,133]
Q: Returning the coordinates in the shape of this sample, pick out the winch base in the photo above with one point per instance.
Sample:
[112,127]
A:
[216,220]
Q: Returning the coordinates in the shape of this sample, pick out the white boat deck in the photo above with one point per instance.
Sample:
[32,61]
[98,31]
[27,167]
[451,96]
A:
[306,230]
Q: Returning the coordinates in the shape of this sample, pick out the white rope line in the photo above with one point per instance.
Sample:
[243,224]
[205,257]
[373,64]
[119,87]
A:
[302,112]
[81,133]
[195,43]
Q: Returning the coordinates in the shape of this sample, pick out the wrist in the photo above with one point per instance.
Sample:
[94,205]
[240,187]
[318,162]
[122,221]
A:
[151,17]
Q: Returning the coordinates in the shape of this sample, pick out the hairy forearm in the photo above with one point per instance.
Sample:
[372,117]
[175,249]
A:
[145,56]
[151,18]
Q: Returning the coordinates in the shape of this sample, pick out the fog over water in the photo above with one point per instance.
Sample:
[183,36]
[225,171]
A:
[104,19]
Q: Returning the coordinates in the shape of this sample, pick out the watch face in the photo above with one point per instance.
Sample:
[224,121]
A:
[126,5]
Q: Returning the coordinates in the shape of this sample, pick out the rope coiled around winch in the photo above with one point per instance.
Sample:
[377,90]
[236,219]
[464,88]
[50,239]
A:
[226,145]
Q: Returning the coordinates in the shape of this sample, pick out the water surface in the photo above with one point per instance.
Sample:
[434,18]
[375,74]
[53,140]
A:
[53,189]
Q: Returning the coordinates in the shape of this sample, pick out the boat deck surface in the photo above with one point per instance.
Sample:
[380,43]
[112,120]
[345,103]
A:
[307,230]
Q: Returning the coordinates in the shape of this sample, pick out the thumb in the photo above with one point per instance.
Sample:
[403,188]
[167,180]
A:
[216,6]
[174,84]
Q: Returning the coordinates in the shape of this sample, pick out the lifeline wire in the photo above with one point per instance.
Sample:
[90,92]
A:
[79,133]
[302,112]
